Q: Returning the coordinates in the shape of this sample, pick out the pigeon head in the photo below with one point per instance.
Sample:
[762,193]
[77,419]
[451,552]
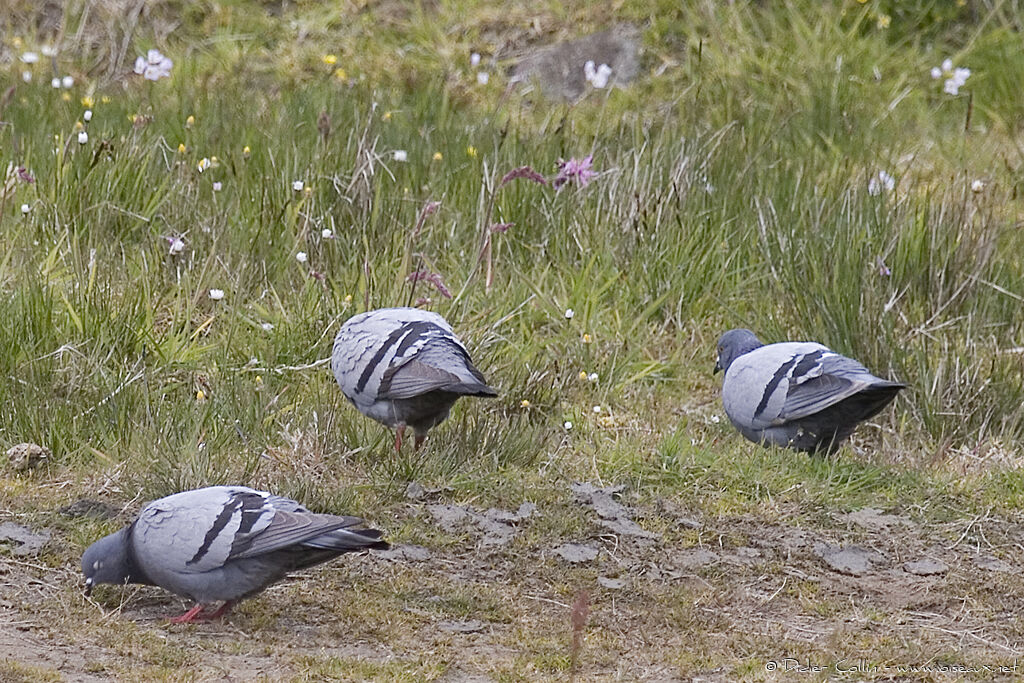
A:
[734,344]
[109,560]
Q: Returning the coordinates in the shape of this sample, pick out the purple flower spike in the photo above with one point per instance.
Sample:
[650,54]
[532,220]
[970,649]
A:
[432,278]
[500,227]
[524,172]
[24,175]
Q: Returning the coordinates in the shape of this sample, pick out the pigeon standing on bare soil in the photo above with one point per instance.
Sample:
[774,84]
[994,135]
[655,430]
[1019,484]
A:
[800,395]
[404,367]
[221,543]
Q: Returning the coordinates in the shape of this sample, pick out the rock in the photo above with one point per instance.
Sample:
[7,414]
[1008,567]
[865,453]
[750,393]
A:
[86,507]
[852,559]
[694,558]
[496,524]
[602,500]
[465,626]
[873,519]
[612,584]
[926,567]
[415,491]
[405,552]
[992,564]
[27,542]
[27,456]
[576,553]
[559,68]
[627,527]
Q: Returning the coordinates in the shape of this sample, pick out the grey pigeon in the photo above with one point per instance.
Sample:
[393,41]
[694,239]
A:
[221,543]
[801,395]
[404,367]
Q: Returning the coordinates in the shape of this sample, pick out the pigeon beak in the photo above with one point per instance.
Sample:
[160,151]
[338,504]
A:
[718,366]
[88,587]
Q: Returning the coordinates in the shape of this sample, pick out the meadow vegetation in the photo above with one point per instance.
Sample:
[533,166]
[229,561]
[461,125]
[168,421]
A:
[791,167]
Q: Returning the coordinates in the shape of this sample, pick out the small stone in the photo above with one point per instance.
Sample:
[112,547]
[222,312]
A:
[27,542]
[415,491]
[610,583]
[852,559]
[405,552]
[992,564]
[27,456]
[87,507]
[465,626]
[925,567]
[576,552]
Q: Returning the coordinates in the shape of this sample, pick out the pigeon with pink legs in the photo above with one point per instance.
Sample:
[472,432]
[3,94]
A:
[221,544]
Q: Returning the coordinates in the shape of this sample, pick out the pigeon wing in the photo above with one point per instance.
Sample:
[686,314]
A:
[811,383]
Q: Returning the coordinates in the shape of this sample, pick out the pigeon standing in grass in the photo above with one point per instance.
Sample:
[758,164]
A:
[801,395]
[221,543]
[404,367]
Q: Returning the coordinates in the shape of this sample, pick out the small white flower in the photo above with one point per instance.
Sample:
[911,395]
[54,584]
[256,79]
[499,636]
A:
[977,186]
[715,419]
[48,51]
[30,57]
[83,137]
[592,377]
[327,234]
[597,409]
[67,82]
[267,326]
[216,294]
[881,181]
[474,59]
[203,164]
[301,257]
[25,208]
[569,313]
[951,87]
[218,186]
[26,76]
[597,77]
[936,72]
[297,185]
[177,245]
[54,82]
[947,64]
[153,66]
[567,425]
[955,77]
[400,155]
[482,77]
[87,115]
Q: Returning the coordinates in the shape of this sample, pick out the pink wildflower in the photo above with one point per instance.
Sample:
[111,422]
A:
[574,170]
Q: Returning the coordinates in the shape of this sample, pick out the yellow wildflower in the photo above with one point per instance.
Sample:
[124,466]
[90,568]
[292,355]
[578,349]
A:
[884,20]
[583,376]
[524,403]
[190,121]
[181,148]
[200,396]
[246,152]
[471,151]
[105,99]
[387,116]
[340,74]
[586,339]
[87,102]
[438,156]
[79,125]
[66,96]
[330,59]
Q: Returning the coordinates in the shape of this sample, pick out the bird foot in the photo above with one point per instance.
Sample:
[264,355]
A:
[189,617]
[399,430]
[195,614]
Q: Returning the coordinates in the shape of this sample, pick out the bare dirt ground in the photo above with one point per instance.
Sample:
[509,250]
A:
[672,595]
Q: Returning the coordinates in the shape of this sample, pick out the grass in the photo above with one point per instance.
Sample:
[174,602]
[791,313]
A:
[732,191]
